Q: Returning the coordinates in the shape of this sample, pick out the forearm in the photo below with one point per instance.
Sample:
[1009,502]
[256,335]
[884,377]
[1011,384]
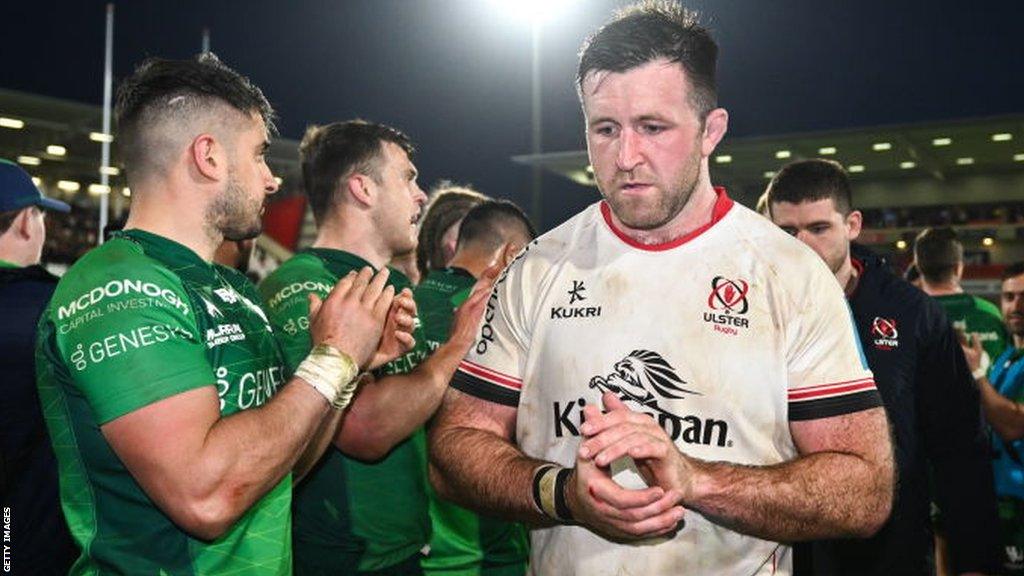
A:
[317,446]
[387,411]
[821,495]
[1005,415]
[246,454]
[485,472]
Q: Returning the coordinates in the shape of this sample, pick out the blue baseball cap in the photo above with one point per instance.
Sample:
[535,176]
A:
[17,191]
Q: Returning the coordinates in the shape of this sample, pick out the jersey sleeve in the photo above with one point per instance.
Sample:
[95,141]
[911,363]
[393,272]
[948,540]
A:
[493,369]
[286,297]
[129,337]
[828,373]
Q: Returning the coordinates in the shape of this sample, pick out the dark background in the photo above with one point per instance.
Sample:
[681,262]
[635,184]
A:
[455,74]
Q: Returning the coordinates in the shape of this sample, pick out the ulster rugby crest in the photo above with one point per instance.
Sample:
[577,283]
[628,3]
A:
[884,334]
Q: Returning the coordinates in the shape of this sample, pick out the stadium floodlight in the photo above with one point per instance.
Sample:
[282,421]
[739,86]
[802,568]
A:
[101,137]
[942,141]
[881,146]
[723,159]
[126,192]
[68,185]
[901,244]
[827,150]
[1002,137]
[907,165]
[12,123]
[855,168]
[769,175]
[783,154]
[110,170]
[278,180]
[55,150]
[1018,157]
[97,189]
[37,181]
[28,160]
[966,161]
[987,241]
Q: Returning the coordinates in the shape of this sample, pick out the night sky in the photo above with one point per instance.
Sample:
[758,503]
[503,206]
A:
[455,74]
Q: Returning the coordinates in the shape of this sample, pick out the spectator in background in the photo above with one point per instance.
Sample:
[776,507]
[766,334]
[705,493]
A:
[939,257]
[1002,397]
[463,542]
[28,469]
[925,386]
[439,227]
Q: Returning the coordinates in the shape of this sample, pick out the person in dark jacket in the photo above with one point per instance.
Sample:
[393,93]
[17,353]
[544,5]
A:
[39,539]
[926,387]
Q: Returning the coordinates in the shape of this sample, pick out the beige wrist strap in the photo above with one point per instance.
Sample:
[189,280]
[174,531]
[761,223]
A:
[330,372]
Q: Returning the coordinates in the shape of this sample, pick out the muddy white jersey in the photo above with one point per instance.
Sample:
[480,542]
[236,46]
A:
[724,337]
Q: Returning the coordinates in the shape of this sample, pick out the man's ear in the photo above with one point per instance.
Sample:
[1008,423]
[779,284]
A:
[207,155]
[854,221]
[508,253]
[23,223]
[360,188]
[715,125]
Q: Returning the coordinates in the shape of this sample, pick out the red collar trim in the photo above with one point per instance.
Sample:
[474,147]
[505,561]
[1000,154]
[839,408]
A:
[722,206]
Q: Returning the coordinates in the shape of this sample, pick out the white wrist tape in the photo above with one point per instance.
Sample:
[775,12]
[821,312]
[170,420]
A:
[985,364]
[330,372]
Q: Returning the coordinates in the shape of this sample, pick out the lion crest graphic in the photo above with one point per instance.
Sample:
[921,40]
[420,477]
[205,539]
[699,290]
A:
[643,377]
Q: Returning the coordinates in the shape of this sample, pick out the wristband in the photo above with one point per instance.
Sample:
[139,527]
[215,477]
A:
[330,372]
[983,367]
[549,483]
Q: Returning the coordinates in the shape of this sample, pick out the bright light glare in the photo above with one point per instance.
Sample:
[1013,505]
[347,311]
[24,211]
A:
[68,185]
[28,160]
[856,168]
[55,150]
[12,123]
[901,244]
[533,11]
[987,241]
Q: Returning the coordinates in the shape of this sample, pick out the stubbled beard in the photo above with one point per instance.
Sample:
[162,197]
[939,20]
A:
[233,214]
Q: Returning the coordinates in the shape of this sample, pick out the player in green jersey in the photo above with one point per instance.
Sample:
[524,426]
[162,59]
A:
[464,543]
[175,428]
[364,508]
[939,256]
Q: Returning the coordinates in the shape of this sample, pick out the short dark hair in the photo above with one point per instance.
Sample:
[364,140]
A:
[937,252]
[448,204]
[655,30]
[161,89]
[809,181]
[7,219]
[334,151]
[1013,270]
[491,223]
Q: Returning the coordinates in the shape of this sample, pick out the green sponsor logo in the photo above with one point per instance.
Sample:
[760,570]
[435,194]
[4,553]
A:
[114,345]
[116,288]
[297,287]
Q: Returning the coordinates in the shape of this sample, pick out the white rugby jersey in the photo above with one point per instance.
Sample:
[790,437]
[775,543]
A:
[724,336]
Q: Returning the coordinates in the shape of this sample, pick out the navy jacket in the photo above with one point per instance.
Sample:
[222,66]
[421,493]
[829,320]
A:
[941,443]
[40,542]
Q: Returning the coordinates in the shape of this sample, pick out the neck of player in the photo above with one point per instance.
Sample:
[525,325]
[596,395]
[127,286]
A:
[175,217]
[848,276]
[355,236]
[696,213]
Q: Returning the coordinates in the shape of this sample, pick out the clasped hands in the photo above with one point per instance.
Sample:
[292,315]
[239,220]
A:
[600,503]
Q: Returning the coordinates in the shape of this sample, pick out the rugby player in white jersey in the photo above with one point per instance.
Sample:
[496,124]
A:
[721,349]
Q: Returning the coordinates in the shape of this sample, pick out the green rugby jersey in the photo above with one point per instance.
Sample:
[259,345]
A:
[972,314]
[137,320]
[463,543]
[348,513]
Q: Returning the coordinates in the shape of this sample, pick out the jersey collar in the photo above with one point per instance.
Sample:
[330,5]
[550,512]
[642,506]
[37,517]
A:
[340,262]
[722,206]
[176,256]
